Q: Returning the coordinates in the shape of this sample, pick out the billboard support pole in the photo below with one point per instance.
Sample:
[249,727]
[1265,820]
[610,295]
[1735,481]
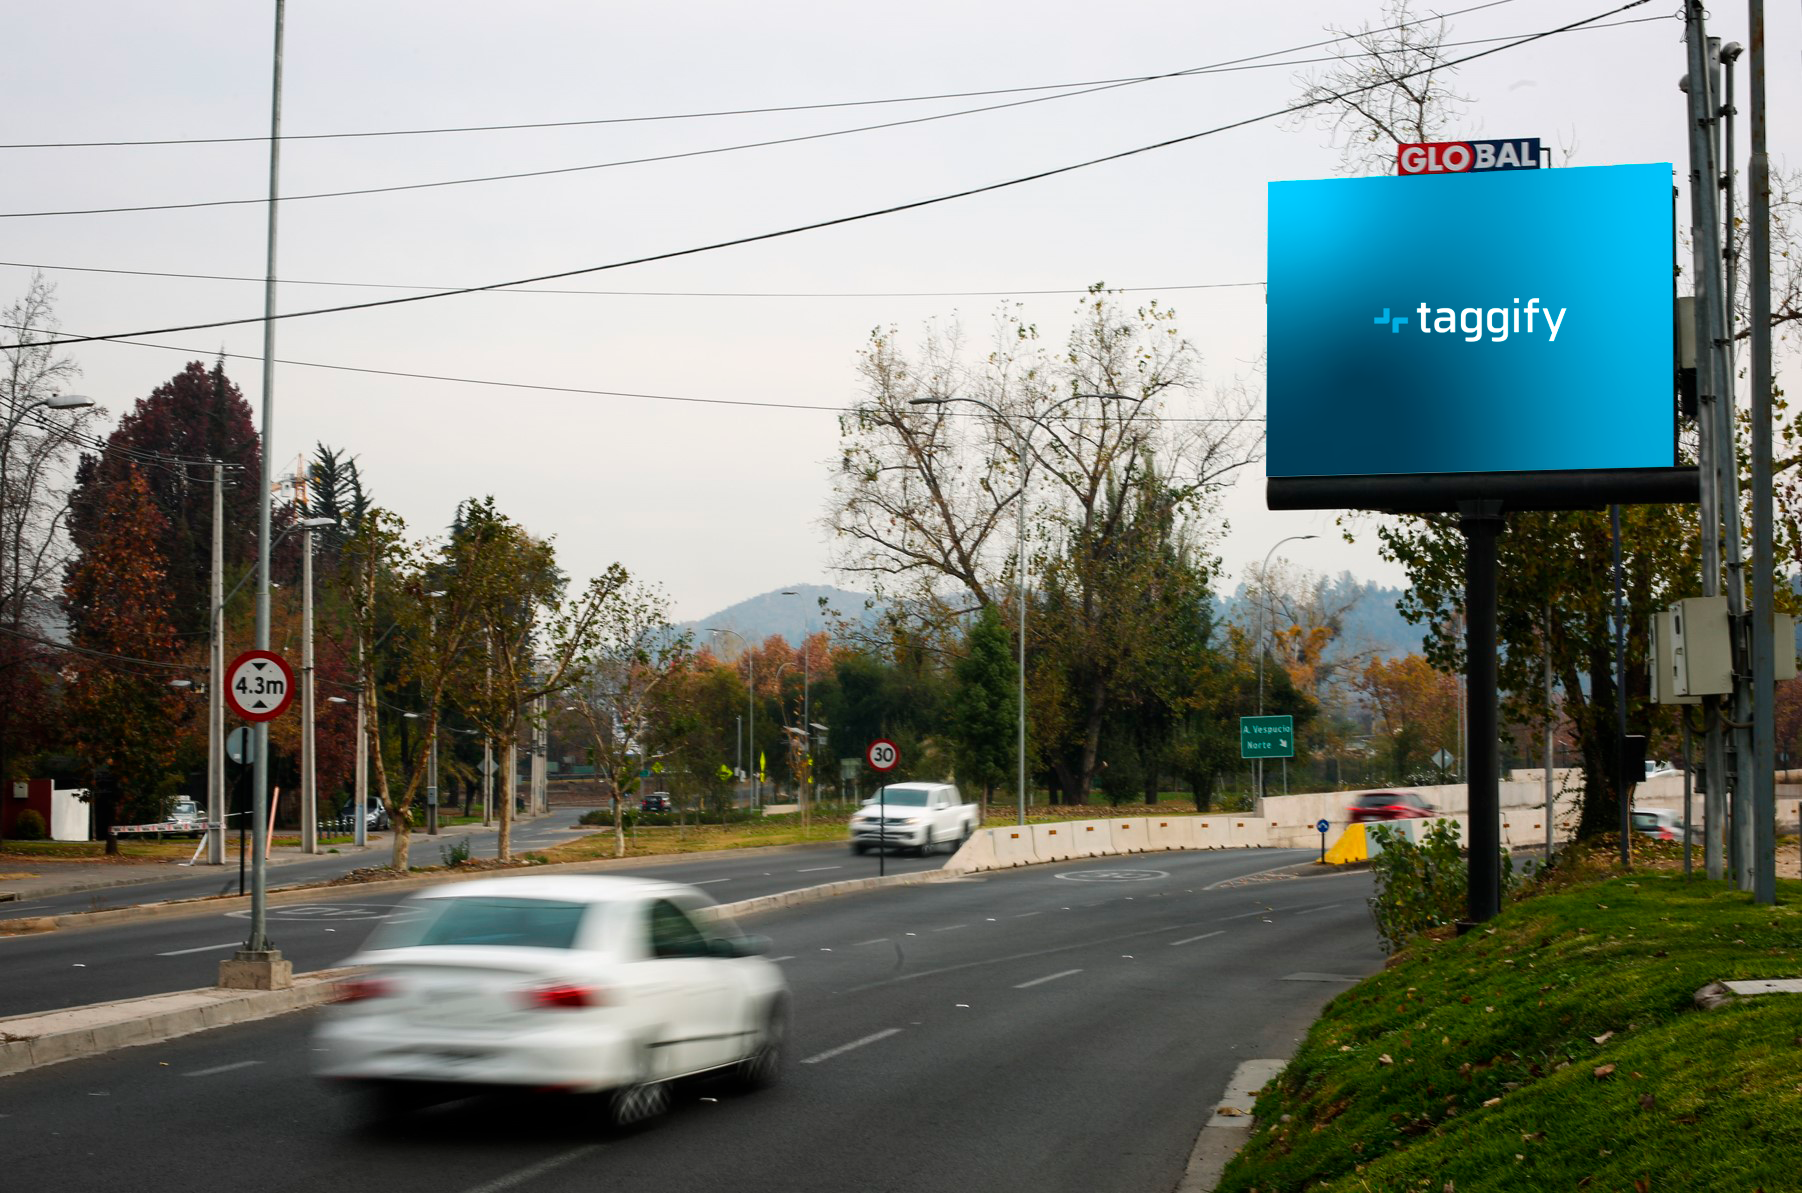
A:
[1763,802]
[1482,524]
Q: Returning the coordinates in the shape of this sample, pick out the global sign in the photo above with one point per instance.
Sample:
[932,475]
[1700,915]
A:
[1460,157]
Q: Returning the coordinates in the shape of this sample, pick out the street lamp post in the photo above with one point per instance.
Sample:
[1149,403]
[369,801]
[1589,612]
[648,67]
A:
[809,788]
[1264,593]
[1019,552]
[750,707]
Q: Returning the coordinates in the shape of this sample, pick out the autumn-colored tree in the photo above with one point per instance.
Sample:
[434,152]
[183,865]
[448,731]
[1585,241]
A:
[1415,710]
[120,707]
[196,415]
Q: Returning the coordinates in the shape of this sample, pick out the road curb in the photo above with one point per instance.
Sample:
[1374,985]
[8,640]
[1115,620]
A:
[284,896]
[47,1037]
[1229,1127]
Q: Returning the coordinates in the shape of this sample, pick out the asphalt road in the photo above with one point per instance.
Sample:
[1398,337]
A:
[153,956]
[200,881]
[1048,1029]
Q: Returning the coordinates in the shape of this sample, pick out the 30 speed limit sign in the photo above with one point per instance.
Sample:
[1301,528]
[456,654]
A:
[882,754]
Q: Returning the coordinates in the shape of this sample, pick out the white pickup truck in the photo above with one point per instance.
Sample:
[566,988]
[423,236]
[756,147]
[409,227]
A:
[919,816]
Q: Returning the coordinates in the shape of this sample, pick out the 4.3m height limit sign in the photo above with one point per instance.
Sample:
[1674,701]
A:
[259,685]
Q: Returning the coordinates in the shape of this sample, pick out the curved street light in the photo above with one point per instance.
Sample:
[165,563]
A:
[1020,445]
[750,706]
[1264,595]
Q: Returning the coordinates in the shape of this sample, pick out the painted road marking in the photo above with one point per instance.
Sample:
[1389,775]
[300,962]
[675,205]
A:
[1193,939]
[514,1179]
[1322,907]
[1048,978]
[878,940]
[790,957]
[710,882]
[951,928]
[243,1064]
[205,948]
[844,1048]
[817,869]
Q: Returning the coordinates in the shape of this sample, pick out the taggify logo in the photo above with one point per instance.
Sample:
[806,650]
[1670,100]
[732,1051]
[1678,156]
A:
[1473,323]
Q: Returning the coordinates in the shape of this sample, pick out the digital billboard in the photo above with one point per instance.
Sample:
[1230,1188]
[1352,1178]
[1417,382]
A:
[1512,321]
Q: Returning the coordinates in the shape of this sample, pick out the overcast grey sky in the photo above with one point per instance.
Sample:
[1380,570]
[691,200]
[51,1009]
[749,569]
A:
[717,502]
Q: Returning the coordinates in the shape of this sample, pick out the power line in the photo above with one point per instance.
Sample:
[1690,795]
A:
[763,111]
[71,648]
[711,151]
[1007,293]
[838,221]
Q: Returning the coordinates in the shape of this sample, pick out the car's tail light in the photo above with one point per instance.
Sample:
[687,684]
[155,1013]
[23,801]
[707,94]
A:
[565,996]
[363,989]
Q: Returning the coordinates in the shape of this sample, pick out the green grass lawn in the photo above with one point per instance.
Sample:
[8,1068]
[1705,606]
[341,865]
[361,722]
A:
[1557,1048]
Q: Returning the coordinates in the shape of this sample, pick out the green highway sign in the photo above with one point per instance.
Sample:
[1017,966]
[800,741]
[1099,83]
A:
[1266,737]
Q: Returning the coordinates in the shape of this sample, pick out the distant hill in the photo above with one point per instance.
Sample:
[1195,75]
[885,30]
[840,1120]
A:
[794,617]
[1372,621]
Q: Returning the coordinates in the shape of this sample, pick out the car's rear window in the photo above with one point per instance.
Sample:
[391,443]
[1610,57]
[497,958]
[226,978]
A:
[484,920]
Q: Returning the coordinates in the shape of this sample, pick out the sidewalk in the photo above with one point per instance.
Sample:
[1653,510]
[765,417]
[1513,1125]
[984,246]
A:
[24,878]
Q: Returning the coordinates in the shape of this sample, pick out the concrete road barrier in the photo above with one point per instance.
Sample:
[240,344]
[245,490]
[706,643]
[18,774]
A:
[1171,832]
[1208,832]
[1130,836]
[976,853]
[1091,838]
[1013,846]
[1053,842]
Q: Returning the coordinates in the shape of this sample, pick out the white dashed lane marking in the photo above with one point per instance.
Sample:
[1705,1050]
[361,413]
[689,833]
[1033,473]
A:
[844,1048]
[1047,978]
[1193,939]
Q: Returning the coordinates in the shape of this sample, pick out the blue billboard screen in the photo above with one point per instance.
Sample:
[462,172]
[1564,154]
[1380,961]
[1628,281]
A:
[1509,321]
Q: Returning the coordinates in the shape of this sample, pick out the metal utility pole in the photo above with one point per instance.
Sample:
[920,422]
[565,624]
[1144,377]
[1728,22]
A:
[361,779]
[215,692]
[309,772]
[1762,862]
[257,950]
[1713,448]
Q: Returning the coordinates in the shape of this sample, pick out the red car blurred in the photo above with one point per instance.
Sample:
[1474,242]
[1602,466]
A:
[1390,805]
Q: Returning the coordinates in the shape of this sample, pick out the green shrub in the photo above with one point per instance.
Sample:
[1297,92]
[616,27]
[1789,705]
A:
[454,853]
[30,826]
[1422,886]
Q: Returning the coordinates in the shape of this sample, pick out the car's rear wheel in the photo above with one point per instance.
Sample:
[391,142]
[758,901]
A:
[640,1102]
[858,847]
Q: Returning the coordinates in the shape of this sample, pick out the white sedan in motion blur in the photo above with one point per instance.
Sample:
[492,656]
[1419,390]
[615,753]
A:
[557,982]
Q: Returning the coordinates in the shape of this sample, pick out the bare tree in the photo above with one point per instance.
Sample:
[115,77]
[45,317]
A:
[36,450]
[1388,87]
[633,650]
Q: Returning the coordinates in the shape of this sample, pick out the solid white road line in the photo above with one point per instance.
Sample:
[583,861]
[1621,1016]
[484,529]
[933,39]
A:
[1193,939]
[951,928]
[817,869]
[1047,978]
[790,957]
[710,882]
[844,1048]
[243,1064]
[878,940]
[205,948]
[513,1179]
[1322,907]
